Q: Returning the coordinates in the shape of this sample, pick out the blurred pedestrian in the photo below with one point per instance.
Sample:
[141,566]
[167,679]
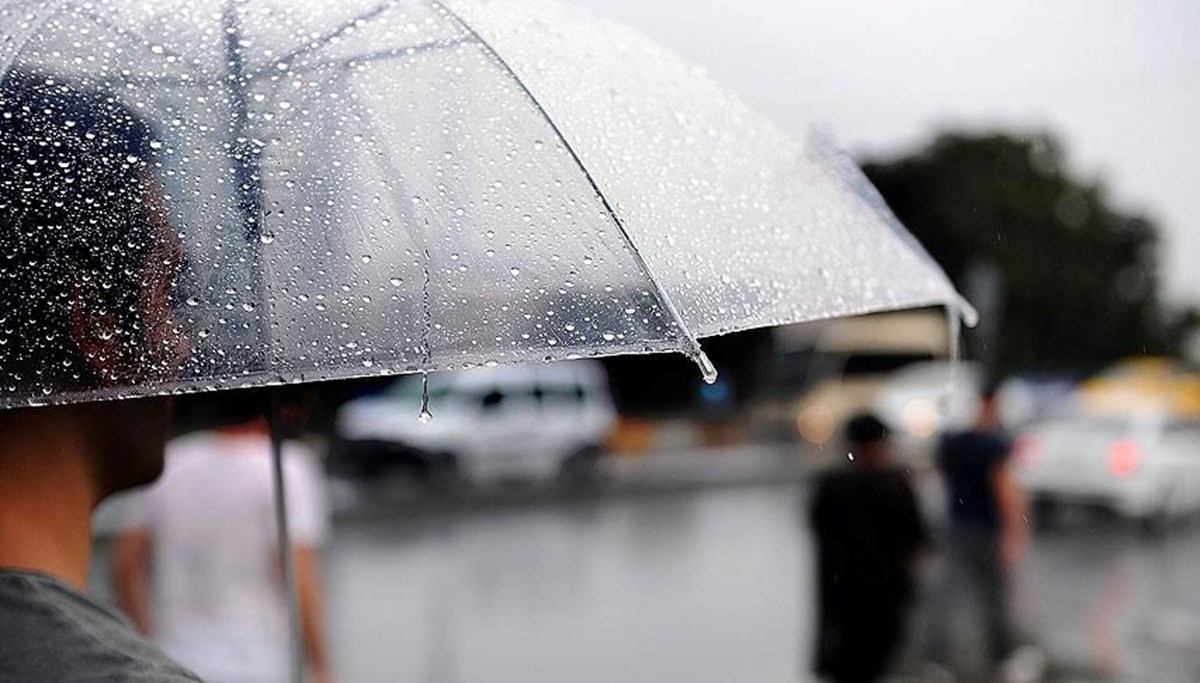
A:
[869,536]
[197,565]
[985,538]
[87,269]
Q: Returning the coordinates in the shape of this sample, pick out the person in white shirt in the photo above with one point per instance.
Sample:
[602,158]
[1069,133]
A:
[197,564]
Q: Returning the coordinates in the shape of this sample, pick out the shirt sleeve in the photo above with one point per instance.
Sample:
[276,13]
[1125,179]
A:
[308,509]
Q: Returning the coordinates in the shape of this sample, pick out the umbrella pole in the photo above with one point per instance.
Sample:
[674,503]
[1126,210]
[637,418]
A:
[286,565]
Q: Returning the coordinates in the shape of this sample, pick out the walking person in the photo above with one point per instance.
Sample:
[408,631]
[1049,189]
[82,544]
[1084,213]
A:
[197,566]
[985,538]
[869,536]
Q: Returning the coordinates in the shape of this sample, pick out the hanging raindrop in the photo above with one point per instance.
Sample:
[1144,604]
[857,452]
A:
[425,417]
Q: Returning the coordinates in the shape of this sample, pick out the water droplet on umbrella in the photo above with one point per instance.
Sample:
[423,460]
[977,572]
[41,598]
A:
[192,301]
[515,271]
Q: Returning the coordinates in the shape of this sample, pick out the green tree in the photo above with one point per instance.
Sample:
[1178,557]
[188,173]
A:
[1079,277]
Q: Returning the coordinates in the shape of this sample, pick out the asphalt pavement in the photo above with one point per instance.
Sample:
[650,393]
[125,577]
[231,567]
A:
[694,566]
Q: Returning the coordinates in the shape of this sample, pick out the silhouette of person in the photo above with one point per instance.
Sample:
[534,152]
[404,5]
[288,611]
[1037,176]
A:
[197,565]
[986,535]
[869,535]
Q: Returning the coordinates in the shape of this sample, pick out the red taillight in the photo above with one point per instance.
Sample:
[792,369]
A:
[1027,451]
[1123,458]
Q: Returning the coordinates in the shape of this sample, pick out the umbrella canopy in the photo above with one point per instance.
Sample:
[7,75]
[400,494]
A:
[217,194]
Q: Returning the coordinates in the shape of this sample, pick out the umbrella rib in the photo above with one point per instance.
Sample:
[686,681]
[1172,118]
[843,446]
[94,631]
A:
[421,242]
[320,41]
[694,350]
[822,147]
[134,36]
[378,55]
[11,53]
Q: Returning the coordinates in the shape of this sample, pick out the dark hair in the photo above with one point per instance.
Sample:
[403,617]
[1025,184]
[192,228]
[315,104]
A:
[865,428]
[73,170]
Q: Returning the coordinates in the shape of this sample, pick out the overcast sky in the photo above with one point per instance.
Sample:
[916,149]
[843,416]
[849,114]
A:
[1118,80]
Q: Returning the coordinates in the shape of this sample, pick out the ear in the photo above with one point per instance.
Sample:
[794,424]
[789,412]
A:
[95,331]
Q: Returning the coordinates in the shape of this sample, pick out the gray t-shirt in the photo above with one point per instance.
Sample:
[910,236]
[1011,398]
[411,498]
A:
[51,632]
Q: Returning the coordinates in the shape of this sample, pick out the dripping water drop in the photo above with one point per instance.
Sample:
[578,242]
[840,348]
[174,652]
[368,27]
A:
[425,417]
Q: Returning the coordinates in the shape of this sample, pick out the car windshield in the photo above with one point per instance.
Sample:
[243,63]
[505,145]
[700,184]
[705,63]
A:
[861,364]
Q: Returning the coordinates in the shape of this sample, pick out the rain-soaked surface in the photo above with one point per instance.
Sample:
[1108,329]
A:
[708,586]
[690,587]
[258,191]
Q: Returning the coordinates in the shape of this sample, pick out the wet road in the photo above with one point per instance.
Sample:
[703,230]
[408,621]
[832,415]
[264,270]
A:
[1110,601]
[706,585]
[710,586]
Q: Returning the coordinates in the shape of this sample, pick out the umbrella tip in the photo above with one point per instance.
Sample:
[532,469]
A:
[707,369]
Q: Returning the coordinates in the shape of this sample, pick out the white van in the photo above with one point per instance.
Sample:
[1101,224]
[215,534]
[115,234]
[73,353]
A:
[527,422]
[850,360]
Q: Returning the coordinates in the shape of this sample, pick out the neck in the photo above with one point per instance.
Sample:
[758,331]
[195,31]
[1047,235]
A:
[47,494]
[255,427]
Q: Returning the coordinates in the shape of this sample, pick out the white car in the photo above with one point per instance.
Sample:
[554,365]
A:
[1141,465]
[528,422]
[849,360]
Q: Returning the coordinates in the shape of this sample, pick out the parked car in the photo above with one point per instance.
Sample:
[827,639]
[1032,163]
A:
[1145,466]
[1127,439]
[850,361]
[529,422]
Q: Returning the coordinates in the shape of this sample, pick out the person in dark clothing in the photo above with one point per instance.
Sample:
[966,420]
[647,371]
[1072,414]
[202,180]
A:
[87,262]
[869,535]
[986,534]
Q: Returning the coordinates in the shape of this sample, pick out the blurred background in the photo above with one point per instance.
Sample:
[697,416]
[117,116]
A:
[623,520]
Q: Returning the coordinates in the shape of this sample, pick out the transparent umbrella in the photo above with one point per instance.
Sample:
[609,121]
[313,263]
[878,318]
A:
[382,187]
[221,193]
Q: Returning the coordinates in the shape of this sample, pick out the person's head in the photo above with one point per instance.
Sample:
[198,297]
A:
[867,438]
[87,266]
[988,416]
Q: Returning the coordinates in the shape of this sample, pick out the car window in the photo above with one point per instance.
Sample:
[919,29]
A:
[859,364]
[558,396]
[493,400]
